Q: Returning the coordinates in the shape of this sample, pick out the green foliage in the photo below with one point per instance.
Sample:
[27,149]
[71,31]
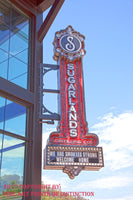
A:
[14,187]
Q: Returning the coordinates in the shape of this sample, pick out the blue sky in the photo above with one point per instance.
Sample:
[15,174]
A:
[108,78]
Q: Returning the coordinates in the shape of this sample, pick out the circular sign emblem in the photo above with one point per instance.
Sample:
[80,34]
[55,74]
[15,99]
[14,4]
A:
[70,43]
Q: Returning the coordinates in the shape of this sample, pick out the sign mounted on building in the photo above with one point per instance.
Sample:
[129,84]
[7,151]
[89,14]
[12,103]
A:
[71,148]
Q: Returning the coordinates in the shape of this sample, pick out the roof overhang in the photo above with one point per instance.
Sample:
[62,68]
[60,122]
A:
[39,6]
[34,6]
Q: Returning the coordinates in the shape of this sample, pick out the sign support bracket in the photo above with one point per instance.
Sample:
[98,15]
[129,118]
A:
[45,115]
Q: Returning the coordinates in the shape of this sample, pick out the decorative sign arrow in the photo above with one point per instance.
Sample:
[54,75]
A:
[72,129]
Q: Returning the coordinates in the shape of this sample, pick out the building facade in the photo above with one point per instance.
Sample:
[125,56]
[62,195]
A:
[22,30]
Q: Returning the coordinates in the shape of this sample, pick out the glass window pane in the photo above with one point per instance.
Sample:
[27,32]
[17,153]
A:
[1,143]
[2,104]
[17,69]
[11,142]
[20,80]
[12,117]
[0,140]
[12,167]
[20,36]
[14,44]
[4,37]
[22,56]
[16,124]
[3,68]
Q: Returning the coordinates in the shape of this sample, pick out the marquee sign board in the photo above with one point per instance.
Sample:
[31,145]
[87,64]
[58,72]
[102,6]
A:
[72,131]
[73,159]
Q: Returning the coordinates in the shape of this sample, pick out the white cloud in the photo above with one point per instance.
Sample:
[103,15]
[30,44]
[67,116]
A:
[48,180]
[45,137]
[62,182]
[6,171]
[116,136]
[12,171]
[10,142]
[107,182]
[14,153]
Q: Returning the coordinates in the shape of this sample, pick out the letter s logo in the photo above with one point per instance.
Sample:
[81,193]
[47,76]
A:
[70,46]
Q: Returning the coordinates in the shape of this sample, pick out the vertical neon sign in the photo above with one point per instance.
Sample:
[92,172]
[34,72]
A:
[72,129]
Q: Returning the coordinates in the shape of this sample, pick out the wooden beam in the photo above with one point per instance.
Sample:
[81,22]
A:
[16,93]
[44,4]
[49,19]
[26,5]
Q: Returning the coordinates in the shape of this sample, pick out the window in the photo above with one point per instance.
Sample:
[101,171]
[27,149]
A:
[14,44]
[12,143]
[14,67]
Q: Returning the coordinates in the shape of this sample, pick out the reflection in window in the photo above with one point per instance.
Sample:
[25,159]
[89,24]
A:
[13,158]
[14,44]
[14,50]
[12,117]
[12,165]
[12,144]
